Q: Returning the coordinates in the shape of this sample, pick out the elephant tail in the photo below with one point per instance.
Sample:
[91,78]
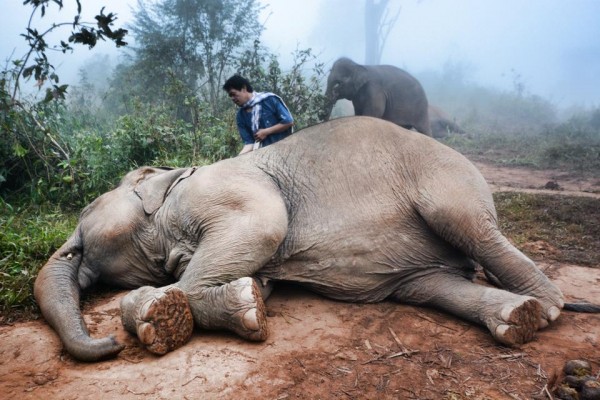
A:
[582,307]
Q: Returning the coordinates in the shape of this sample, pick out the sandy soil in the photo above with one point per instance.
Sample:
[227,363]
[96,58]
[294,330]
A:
[322,349]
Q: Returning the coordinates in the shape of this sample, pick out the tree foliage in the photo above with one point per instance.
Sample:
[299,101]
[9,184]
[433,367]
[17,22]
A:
[163,107]
[32,154]
[84,33]
[188,45]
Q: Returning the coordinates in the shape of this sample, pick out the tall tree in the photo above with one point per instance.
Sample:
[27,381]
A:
[191,44]
[379,21]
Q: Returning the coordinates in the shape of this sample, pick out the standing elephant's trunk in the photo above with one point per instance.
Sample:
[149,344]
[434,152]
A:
[330,100]
[57,292]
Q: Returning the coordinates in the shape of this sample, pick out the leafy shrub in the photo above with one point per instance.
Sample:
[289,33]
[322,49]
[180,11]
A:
[28,236]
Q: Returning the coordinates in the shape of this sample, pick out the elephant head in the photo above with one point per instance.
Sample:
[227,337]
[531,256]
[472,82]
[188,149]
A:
[101,245]
[345,80]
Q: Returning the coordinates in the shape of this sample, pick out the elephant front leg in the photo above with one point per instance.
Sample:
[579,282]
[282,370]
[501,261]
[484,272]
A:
[237,306]
[160,317]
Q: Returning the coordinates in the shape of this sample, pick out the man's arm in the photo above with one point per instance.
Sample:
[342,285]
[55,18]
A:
[282,114]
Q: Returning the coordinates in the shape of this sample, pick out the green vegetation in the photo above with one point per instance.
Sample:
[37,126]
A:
[573,145]
[28,236]
[567,224]
[514,127]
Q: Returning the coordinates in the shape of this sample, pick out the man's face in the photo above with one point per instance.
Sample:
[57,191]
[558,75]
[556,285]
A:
[239,97]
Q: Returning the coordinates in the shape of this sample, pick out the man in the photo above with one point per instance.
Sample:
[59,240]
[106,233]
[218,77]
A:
[263,118]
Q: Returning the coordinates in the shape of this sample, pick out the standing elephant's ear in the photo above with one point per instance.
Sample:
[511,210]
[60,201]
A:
[154,190]
[359,77]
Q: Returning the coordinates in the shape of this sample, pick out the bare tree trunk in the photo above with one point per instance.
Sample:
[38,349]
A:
[373,13]
[378,25]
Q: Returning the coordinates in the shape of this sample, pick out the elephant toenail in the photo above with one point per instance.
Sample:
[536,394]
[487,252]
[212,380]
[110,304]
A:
[553,313]
[146,333]
[247,295]
[501,330]
[542,324]
[250,320]
[245,281]
[506,313]
[145,310]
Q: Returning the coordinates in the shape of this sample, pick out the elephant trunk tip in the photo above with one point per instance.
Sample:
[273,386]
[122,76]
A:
[90,350]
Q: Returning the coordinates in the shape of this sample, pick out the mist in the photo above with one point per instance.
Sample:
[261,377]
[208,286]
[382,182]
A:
[550,48]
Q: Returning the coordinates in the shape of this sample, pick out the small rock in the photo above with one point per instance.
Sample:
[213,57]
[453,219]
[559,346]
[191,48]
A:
[563,392]
[552,185]
[590,390]
[576,382]
[577,368]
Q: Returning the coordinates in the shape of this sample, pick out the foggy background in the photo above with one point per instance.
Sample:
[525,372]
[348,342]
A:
[550,47]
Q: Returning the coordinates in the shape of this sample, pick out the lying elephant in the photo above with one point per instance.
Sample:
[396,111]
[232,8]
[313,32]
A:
[441,123]
[356,209]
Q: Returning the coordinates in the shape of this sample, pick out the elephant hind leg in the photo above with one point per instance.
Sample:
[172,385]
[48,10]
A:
[512,319]
[474,231]
[160,317]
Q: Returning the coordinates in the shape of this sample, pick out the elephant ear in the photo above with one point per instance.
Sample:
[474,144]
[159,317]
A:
[360,77]
[154,190]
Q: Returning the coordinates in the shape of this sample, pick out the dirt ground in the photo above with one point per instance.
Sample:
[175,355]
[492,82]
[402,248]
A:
[322,349]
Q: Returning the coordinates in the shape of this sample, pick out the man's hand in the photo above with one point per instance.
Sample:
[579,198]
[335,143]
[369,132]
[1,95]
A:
[261,134]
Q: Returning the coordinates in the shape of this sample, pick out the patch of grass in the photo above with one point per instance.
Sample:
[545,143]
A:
[569,224]
[28,237]
[571,146]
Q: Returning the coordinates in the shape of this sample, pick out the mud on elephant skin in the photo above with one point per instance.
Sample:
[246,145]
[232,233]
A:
[356,209]
[380,91]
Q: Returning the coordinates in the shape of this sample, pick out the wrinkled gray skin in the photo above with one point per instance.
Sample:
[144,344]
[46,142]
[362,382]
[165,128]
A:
[356,209]
[441,123]
[380,91]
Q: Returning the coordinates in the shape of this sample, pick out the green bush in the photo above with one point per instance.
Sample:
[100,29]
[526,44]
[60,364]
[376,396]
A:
[28,237]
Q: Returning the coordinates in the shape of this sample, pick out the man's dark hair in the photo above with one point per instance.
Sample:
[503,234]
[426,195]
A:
[237,82]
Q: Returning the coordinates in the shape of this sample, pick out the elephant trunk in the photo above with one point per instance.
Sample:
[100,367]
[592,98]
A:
[56,291]
[330,100]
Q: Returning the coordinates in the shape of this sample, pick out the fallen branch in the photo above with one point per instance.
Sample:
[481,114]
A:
[407,353]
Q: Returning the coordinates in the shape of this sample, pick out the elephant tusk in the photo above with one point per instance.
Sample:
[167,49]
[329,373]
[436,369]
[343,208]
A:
[70,256]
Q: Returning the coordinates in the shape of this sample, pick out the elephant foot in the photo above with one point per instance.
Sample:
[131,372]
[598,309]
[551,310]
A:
[163,321]
[518,322]
[250,321]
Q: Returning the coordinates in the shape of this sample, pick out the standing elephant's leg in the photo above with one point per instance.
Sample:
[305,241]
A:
[511,318]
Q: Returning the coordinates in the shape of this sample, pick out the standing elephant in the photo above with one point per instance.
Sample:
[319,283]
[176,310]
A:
[357,209]
[380,91]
